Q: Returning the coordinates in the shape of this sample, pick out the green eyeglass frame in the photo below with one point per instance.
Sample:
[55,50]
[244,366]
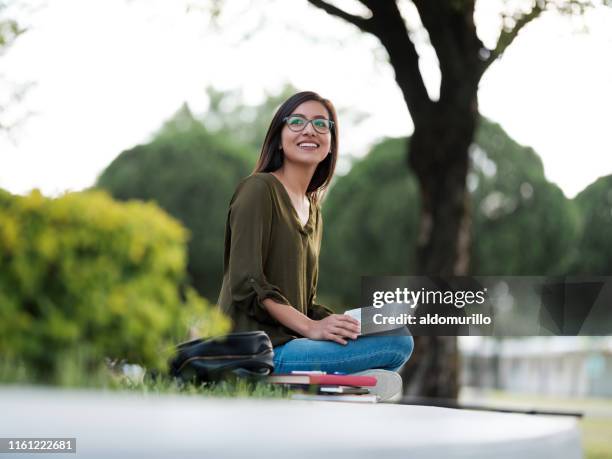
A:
[298,123]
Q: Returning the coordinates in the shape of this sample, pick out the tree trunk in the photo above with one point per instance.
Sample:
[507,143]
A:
[439,157]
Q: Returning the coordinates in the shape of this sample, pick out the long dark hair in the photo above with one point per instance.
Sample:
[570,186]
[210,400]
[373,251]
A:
[271,157]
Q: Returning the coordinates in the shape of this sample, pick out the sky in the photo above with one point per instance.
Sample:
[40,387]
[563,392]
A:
[106,74]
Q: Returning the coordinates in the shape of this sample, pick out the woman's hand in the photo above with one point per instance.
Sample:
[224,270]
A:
[335,327]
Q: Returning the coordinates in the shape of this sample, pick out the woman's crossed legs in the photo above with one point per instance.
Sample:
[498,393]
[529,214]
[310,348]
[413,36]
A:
[388,352]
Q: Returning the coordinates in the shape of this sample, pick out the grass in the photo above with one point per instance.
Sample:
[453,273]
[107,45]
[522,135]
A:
[597,437]
[105,377]
[595,425]
[236,387]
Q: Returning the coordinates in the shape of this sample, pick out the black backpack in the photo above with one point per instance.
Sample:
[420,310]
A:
[248,354]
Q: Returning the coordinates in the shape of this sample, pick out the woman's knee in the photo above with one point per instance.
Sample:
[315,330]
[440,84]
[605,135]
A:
[404,346]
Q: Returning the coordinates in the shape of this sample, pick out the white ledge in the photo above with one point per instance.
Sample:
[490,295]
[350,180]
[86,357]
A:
[110,424]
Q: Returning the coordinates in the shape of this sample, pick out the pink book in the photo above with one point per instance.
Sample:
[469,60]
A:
[338,380]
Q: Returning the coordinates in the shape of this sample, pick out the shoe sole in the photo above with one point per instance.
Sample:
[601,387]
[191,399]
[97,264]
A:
[388,384]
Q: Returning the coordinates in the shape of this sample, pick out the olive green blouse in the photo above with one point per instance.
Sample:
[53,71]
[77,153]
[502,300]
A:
[269,254]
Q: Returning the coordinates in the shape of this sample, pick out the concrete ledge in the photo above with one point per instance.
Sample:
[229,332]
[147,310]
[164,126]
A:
[108,424]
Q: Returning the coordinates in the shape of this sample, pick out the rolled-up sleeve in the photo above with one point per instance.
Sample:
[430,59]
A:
[318,312]
[250,222]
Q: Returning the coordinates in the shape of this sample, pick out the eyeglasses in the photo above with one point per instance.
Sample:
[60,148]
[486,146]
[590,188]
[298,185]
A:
[298,123]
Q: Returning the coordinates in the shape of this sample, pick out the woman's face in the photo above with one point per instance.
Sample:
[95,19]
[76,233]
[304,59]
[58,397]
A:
[307,146]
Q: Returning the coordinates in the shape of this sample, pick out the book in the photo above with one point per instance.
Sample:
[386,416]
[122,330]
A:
[370,398]
[366,317]
[329,390]
[308,372]
[323,379]
[343,390]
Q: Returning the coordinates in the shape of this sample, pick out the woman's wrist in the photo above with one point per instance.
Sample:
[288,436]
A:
[290,317]
[307,327]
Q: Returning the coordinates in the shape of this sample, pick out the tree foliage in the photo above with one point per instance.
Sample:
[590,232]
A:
[192,174]
[10,30]
[228,116]
[593,253]
[523,224]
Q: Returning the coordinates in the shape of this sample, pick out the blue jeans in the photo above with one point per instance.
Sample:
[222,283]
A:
[388,352]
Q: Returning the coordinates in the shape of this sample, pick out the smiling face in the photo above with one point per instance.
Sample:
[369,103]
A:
[306,147]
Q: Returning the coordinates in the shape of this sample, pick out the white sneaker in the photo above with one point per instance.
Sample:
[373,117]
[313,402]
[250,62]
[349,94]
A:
[388,384]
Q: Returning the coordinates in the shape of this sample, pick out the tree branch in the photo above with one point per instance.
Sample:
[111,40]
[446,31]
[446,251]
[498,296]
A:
[506,37]
[361,22]
[389,27]
[452,34]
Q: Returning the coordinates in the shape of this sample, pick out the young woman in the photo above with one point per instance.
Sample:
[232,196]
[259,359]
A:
[272,241]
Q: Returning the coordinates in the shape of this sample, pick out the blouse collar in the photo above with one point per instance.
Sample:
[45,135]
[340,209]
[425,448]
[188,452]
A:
[309,226]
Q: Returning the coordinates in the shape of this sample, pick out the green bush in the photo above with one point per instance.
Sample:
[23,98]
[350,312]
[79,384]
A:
[84,276]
